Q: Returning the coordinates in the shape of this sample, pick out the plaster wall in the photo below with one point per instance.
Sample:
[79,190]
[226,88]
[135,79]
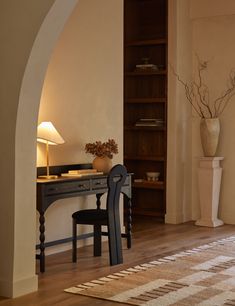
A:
[209,8]
[213,31]
[83,97]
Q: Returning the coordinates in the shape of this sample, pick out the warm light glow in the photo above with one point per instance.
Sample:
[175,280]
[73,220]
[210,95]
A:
[48,134]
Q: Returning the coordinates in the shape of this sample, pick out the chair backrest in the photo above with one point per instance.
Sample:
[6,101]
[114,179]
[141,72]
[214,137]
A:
[115,181]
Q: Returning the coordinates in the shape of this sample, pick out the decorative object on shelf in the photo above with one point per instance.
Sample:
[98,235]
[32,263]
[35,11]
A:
[103,152]
[209,179]
[152,176]
[145,60]
[146,65]
[197,93]
[48,134]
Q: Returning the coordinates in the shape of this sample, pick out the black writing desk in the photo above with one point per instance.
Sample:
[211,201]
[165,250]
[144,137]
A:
[48,191]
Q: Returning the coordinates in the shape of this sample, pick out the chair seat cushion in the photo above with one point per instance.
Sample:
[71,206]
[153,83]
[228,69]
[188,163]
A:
[91,216]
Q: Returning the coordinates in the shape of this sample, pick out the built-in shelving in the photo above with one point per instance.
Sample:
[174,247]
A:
[145,97]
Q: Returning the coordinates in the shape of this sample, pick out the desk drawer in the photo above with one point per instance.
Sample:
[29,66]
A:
[67,187]
[99,183]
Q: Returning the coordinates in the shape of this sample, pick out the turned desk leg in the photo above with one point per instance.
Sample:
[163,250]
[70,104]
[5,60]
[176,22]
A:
[42,239]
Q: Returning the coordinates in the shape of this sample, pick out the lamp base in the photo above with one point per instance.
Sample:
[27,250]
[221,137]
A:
[48,177]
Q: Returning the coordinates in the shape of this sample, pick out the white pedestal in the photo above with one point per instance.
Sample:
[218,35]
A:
[209,179]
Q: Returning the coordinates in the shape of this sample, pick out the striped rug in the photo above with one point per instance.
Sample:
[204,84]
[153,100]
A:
[201,276]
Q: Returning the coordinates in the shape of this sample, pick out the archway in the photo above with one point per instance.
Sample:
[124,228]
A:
[23,276]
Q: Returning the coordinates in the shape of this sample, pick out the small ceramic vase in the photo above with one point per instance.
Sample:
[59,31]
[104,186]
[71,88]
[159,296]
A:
[102,164]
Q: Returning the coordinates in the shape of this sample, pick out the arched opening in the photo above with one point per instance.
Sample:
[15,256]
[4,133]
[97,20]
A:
[24,279]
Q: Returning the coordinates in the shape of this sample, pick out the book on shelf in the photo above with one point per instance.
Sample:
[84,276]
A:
[149,122]
[144,181]
[146,67]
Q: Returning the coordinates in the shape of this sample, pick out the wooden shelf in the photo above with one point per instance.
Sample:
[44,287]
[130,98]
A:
[146,158]
[149,42]
[145,73]
[145,100]
[149,185]
[145,128]
[145,96]
[147,212]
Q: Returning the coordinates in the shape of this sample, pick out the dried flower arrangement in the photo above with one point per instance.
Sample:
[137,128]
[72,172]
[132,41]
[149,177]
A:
[101,149]
[197,93]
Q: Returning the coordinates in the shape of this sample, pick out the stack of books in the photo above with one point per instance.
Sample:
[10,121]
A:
[144,67]
[81,172]
[150,122]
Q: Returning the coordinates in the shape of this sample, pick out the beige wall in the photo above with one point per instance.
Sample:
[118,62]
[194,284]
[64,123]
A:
[213,32]
[209,8]
[83,97]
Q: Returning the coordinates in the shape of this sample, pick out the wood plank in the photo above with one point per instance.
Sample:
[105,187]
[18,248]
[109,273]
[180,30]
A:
[149,184]
[145,100]
[145,73]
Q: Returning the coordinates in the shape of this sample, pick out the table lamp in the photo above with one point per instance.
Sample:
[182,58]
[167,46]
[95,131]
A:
[48,134]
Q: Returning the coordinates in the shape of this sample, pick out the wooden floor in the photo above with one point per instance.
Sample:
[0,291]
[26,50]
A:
[151,240]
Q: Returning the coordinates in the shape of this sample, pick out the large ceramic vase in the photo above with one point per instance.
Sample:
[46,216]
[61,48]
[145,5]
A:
[210,130]
[102,164]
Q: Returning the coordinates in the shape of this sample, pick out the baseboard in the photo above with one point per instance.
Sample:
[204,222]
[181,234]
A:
[227,218]
[174,218]
[19,287]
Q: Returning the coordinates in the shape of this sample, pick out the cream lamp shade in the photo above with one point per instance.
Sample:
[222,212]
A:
[48,134]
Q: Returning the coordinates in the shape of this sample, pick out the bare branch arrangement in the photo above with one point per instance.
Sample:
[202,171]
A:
[197,93]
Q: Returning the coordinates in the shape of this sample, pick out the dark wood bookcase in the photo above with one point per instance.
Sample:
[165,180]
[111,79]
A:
[145,97]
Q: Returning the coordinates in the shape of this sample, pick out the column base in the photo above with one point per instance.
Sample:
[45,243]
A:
[209,223]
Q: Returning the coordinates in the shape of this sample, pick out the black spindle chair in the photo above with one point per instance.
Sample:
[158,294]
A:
[109,217]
